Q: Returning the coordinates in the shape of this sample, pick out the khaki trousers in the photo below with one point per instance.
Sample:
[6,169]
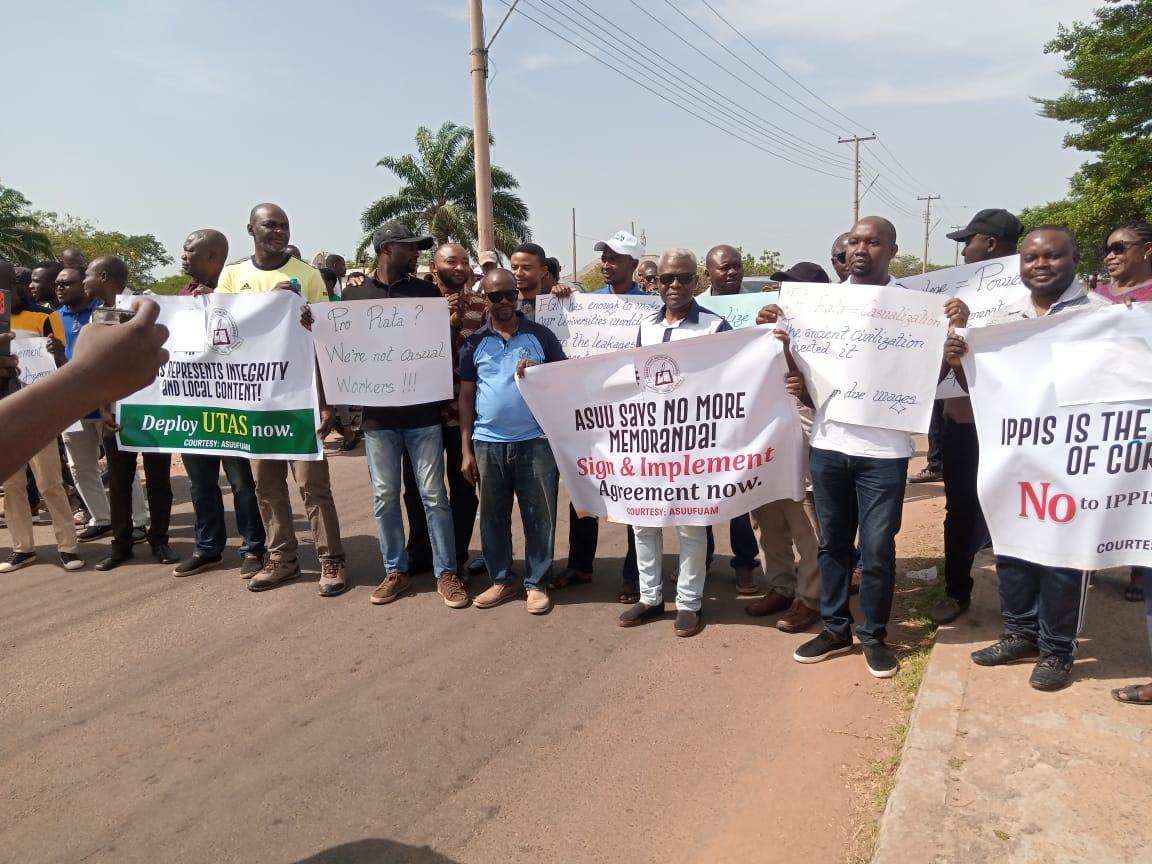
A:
[276,507]
[784,524]
[46,470]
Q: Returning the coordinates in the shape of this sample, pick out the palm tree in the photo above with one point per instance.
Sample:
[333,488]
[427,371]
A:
[439,194]
[20,241]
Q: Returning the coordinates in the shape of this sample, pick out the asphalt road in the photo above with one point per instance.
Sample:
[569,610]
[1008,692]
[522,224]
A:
[152,719]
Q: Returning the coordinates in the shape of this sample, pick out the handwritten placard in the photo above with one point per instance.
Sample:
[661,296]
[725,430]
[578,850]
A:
[384,353]
[31,353]
[871,355]
[739,309]
[590,324]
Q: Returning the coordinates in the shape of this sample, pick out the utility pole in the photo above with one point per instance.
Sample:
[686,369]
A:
[927,226]
[855,141]
[573,244]
[956,260]
[479,56]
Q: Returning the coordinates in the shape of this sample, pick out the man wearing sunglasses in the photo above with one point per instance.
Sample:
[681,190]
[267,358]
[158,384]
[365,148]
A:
[681,317]
[504,448]
[840,257]
[646,277]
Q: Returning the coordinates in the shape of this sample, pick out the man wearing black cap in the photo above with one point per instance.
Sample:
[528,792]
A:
[804,271]
[990,234]
[414,429]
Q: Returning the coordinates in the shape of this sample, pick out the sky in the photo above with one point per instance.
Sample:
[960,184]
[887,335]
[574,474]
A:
[182,116]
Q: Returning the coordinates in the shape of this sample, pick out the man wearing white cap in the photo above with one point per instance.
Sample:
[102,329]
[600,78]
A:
[619,257]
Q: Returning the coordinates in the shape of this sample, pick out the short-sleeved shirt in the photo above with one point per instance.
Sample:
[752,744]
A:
[502,415]
[39,320]
[248,277]
[73,321]
[634,290]
[698,322]
[473,313]
[1137,293]
[1075,298]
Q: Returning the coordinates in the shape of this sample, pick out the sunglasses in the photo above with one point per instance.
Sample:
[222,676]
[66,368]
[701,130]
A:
[682,278]
[648,277]
[501,296]
[60,283]
[840,257]
[1118,248]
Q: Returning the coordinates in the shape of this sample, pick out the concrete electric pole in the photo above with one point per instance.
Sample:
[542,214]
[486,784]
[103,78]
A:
[855,141]
[927,226]
[485,234]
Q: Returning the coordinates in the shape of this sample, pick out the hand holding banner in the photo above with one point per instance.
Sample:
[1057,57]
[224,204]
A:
[32,353]
[591,324]
[384,353]
[871,354]
[690,432]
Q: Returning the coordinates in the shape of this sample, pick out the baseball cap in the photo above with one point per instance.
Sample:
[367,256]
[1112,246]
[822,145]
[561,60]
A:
[994,223]
[622,243]
[489,258]
[805,271]
[396,232]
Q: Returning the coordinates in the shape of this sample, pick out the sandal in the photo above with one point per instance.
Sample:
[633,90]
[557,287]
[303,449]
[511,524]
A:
[1130,695]
[628,597]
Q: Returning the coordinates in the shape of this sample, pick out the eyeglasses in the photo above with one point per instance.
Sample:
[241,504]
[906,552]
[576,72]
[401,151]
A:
[648,277]
[682,278]
[60,283]
[1118,248]
[840,257]
[501,296]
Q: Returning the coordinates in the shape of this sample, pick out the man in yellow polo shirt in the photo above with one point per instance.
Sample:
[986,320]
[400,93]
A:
[272,268]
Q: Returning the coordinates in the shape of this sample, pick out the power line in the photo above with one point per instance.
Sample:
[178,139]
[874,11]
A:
[671,101]
[907,173]
[765,127]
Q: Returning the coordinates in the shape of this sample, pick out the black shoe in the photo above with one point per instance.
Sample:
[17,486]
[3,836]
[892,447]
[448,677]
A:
[139,534]
[640,613]
[115,558]
[17,560]
[196,563]
[478,566]
[251,564]
[349,444]
[881,661]
[825,645]
[689,623]
[94,532]
[1051,673]
[949,609]
[70,561]
[1010,648]
[164,553]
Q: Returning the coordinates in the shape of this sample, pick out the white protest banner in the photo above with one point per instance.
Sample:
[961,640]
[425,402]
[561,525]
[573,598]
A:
[872,353]
[384,353]
[985,286]
[590,324]
[690,432]
[239,381]
[738,309]
[1063,482]
[31,352]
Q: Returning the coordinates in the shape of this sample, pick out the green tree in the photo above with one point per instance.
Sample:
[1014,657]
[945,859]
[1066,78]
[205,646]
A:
[22,239]
[1109,70]
[910,265]
[141,252]
[170,285]
[593,280]
[767,264]
[438,195]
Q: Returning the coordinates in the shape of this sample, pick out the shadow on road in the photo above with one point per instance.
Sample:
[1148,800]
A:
[376,851]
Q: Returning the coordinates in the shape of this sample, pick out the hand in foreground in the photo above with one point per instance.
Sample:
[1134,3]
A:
[327,421]
[955,347]
[957,312]
[770,314]
[524,364]
[108,418]
[306,316]
[561,290]
[469,468]
[120,359]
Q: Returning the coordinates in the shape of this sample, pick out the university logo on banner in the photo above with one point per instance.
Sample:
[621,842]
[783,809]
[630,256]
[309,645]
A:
[240,381]
[690,432]
[1063,410]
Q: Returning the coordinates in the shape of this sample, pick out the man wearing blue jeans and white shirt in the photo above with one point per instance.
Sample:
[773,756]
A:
[388,432]
[504,448]
[681,317]
[865,467]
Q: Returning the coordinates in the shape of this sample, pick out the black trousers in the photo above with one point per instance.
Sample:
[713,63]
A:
[936,438]
[157,489]
[965,532]
[461,498]
[583,537]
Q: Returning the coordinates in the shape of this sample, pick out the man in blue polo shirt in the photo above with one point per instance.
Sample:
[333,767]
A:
[504,447]
[619,256]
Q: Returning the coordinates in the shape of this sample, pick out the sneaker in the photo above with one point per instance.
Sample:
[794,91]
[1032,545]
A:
[822,647]
[251,564]
[640,613]
[539,603]
[94,532]
[80,518]
[1051,673]
[17,560]
[688,623]
[927,475]
[882,663]
[452,591]
[333,577]
[495,595]
[139,534]
[199,561]
[949,609]
[71,561]
[392,588]
[798,618]
[1010,648]
[746,580]
[275,572]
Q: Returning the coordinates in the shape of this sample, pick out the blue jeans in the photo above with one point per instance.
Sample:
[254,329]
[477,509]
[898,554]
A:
[1041,603]
[526,470]
[1146,572]
[743,540]
[857,492]
[384,449]
[208,503]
